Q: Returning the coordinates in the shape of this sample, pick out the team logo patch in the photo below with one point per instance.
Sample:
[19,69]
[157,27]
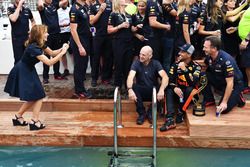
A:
[182,77]
[171,71]
[152,10]
[230,69]
[72,17]
[210,61]
[228,62]
[191,77]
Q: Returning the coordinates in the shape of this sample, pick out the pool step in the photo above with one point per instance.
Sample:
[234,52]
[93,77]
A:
[67,105]
[132,158]
[232,125]
[72,123]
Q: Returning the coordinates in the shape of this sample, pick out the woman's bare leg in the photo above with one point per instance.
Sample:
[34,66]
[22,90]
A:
[36,109]
[25,106]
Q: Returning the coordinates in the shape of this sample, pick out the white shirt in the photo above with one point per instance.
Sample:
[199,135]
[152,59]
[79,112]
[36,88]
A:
[63,18]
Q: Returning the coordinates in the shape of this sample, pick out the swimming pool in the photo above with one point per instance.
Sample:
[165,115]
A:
[97,157]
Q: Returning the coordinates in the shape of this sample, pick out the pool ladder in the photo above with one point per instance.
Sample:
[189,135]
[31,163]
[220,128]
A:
[131,157]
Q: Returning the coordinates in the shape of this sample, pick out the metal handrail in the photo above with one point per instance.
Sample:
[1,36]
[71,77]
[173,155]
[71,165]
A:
[117,104]
[154,113]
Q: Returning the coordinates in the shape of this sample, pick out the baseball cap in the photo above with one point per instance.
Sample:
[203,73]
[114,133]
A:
[187,48]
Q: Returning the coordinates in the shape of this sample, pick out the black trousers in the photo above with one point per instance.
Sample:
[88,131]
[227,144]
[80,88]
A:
[80,64]
[18,47]
[102,47]
[233,100]
[53,43]
[123,55]
[143,93]
[173,98]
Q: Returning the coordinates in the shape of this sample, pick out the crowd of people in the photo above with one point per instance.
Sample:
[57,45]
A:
[161,38]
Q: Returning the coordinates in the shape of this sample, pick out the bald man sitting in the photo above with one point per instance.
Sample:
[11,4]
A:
[146,71]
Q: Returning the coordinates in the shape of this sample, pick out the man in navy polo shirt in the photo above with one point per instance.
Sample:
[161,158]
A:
[19,19]
[224,75]
[48,12]
[146,70]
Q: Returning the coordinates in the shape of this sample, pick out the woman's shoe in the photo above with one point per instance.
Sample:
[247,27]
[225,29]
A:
[33,125]
[18,122]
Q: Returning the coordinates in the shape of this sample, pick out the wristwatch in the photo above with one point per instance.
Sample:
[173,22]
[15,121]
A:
[128,89]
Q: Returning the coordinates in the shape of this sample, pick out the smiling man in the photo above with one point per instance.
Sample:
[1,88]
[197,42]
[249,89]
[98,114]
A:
[224,75]
[146,71]
[183,78]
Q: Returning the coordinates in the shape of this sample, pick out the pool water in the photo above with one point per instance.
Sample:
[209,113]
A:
[97,157]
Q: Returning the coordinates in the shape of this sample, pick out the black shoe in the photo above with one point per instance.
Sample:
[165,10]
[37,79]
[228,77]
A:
[149,115]
[18,121]
[45,81]
[140,120]
[83,95]
[242,101]
[65,73]
[169,124]
[35,126]
[88,94]
[58,77]
[106,82]
[179,117]
[93,83]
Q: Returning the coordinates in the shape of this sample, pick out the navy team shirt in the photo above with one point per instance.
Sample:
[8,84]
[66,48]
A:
[79,15]
[49,17]
[102,23]
[224,66]
[20,28]
[147,75]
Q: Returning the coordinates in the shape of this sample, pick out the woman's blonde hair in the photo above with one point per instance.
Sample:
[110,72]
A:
[116,6]
[37,35]
[144,1]
[182,5]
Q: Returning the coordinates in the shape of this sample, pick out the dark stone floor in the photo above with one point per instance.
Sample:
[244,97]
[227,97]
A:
[65,88]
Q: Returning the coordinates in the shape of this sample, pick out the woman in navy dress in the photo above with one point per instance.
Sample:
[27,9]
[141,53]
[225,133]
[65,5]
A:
[23,80]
